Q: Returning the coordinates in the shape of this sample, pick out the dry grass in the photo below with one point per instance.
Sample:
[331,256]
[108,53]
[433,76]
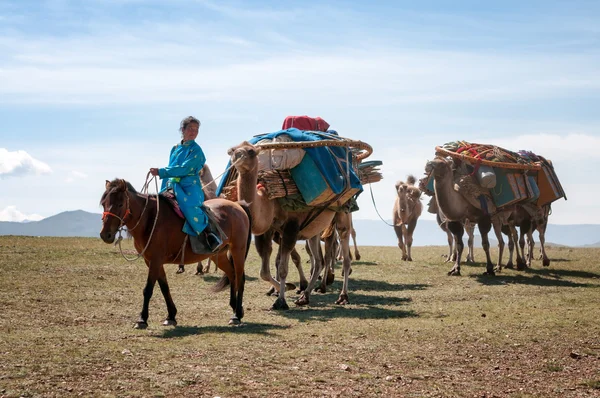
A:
[68,306]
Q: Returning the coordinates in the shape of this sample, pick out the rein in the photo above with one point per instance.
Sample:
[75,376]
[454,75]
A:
[128,212]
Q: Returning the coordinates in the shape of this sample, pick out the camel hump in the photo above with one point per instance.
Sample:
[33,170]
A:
[411,179]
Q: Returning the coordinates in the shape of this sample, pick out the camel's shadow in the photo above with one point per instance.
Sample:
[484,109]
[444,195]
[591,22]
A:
[535,280]
[380,286]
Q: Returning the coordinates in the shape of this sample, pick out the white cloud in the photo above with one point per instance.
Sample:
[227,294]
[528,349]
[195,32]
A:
[19,163]
[75,175]
[10,213]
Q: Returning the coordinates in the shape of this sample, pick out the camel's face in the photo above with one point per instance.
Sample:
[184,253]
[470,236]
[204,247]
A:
[440,167]
[244,156]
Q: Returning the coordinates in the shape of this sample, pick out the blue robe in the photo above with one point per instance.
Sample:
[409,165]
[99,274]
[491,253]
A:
[182,175]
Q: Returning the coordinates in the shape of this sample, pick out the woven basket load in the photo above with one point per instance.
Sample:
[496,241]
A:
[280,184]
[489,155]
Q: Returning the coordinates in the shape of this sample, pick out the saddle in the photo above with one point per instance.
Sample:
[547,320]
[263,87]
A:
[208,241]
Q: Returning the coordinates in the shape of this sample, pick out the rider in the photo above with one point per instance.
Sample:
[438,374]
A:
[182,176]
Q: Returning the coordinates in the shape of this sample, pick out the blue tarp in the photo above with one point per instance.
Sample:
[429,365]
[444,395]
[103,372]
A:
[324,160]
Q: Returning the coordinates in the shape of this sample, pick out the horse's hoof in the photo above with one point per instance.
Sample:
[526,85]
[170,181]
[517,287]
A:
[280,305]
[303,300]
[234,321]
[289,286]
[342,300]
[170,322]
[180,270]
[140,325]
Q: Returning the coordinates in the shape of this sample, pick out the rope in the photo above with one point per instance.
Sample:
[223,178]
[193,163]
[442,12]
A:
[226,170]
[375,206]
[120,238]
[315,144]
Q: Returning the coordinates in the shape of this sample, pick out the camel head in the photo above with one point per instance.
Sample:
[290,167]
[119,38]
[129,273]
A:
[244,157]
[408,196]
[440,166]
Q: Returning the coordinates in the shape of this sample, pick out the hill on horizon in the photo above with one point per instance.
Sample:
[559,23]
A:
[369,232]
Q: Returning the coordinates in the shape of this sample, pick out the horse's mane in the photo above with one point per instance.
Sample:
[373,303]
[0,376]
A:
[116,184]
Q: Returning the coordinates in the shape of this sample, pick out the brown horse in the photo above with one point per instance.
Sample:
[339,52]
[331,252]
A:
[157,234]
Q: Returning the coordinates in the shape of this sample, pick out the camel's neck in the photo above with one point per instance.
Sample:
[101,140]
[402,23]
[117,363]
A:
[450,202]
[246,186]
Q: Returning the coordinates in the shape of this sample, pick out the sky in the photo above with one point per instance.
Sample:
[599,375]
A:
[95,90]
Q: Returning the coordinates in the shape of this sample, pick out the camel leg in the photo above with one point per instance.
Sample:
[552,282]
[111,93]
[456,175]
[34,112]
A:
[457,230]
[530,247]
[316,257]
[409,238]
[264,247]
[344,232]
[542,235]
[511,251]
[485,225]
[356,253]
[517,245]
[298,263]
[289,237]
[497,225]
[470,230]
[399,234]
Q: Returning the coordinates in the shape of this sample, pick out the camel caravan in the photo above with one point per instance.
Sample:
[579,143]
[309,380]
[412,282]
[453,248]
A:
[491,187]
[301,183]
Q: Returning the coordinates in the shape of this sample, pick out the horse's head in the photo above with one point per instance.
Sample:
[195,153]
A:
[244,156]
[115,202]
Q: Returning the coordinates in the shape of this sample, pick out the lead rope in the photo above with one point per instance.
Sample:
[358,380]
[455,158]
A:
[120,238]
[375,206]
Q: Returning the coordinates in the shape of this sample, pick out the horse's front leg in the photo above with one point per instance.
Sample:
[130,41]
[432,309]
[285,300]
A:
[142,322]
[164,288]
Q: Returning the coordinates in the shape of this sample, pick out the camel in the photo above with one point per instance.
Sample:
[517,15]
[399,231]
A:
[452,245]
[407,210]
[456,209]
[353,235]
[292,226]
[209,187]
[527,221]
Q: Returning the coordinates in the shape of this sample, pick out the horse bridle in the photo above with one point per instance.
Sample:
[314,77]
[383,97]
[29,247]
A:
[127,213]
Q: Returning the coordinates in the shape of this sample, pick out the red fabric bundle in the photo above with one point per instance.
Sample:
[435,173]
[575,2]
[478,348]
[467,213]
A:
[305,123]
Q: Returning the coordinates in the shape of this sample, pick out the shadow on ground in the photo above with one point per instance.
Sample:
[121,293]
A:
[525,279]
[245,328]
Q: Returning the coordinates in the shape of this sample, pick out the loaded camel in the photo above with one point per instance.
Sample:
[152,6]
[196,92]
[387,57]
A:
[456,209]
[292,226]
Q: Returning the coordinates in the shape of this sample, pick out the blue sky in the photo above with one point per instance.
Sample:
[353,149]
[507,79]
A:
[95,90]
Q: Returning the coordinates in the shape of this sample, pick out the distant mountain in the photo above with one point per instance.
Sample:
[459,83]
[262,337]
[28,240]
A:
[68,223]
[369,232]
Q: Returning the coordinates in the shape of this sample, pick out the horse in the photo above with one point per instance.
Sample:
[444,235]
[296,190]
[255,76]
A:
[158,237]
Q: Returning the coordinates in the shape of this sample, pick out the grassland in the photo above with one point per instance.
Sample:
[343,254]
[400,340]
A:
[68,306]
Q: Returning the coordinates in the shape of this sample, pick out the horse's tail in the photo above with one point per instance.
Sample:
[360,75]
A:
[246,208]
[221,284]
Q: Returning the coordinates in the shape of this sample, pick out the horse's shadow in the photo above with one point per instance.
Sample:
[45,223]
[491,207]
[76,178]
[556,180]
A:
[245,328]
[356,262]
